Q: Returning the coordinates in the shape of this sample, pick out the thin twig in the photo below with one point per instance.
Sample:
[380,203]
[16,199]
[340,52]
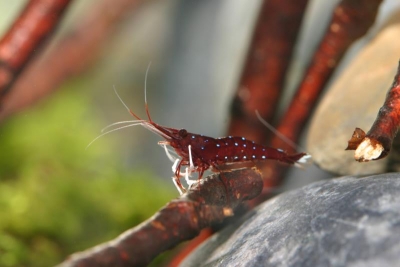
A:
[376,144]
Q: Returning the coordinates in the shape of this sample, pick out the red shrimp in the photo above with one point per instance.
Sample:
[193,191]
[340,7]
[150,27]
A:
[199,153]
[206,152]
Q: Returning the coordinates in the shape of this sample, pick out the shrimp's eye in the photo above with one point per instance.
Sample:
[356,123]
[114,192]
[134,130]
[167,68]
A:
[182,133]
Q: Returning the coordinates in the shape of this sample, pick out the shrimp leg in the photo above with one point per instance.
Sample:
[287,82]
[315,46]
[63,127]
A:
[176,179]
[170,157]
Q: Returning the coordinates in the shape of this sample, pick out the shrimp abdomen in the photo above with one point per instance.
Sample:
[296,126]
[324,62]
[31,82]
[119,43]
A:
[232,149]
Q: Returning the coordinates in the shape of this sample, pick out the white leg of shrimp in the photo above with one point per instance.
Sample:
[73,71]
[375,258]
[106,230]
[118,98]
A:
[188,181]
[174,179]
[175,165]
[191,166]
[171,158]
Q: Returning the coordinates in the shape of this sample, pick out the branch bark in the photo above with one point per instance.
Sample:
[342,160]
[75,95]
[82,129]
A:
[264,72]
[35,23]
[206,203]
[73,54]
[350,21]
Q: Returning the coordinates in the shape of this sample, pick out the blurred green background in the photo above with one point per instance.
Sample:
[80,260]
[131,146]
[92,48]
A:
[57,198]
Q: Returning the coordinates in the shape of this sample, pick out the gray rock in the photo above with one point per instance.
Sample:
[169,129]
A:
[346,221]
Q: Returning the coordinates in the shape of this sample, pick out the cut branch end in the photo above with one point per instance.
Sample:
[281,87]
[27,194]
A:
[369,149]
[366,148]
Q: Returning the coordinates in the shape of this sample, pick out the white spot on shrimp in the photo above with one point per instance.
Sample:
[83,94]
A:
[205,141]
[236,144]
[244,145]
[280,150]
[244,157]
[226,143]
[230,136]
[226,157]
[243,138]
[193,137]
[202,148]
[263,149]
[263,157]
[254,148]
[235,157]
[254,156]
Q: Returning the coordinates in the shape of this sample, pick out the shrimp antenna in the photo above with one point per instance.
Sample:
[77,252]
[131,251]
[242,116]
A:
[123,103]
[113,130]
[145,92]
[277,133]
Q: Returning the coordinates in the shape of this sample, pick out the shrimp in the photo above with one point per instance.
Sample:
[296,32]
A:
[198,153]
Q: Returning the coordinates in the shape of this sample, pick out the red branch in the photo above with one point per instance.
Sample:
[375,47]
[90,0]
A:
[70,56]
[266,64]
[207,203]
[376,144]
[35,23]
[351,20]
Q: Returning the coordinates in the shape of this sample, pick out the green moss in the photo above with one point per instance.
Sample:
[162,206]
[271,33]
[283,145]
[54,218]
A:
[57,198]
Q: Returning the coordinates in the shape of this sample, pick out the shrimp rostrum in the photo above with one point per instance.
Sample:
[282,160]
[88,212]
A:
[198,153]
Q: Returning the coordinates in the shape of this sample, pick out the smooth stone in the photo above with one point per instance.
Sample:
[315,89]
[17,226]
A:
[346,221]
